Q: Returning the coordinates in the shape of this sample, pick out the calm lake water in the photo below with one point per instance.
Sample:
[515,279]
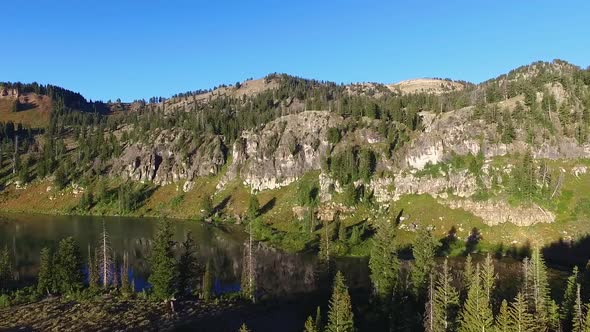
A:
[293,284]
[280,273]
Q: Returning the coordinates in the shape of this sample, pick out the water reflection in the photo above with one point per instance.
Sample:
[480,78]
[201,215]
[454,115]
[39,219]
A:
[279,273]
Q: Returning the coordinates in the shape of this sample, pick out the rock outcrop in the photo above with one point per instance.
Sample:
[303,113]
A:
[498,212]
[171,157]
[282,151]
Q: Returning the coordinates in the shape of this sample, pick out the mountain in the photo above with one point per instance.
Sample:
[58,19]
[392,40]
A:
[504,161]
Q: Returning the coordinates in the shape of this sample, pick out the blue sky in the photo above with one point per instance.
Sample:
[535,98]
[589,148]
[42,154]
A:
[132,49]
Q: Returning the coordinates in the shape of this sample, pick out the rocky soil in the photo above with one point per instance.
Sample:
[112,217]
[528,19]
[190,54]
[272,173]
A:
[107,314]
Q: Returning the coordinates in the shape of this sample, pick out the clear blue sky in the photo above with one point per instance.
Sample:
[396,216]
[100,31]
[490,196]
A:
[128,49]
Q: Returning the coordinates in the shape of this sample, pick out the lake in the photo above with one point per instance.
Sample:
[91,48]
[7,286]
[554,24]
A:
[279,273]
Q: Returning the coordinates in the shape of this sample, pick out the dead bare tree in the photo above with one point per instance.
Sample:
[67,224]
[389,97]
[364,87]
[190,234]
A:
[105,257]
[248,269]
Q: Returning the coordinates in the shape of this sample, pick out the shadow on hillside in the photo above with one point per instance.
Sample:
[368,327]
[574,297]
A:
[568,253]
[268,206]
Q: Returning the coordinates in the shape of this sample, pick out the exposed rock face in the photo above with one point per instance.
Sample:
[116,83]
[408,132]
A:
[456,132]
[282,151]
[460,183]
[498,212]
[170,158]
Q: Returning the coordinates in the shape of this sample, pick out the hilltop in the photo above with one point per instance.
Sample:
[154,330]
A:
[504,161]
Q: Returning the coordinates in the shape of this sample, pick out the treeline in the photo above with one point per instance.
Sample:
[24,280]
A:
[175,272]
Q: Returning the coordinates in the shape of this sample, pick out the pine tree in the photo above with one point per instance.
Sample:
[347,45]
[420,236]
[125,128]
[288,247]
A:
[468,273]
[45,280]
[430,311]
[253,207]
[476,315]
[578,321]
[539,289]
[340,317]
[520,318]
[488,277]
[310,325]
[68,266]
[163,266]
[383,261]
[187,266]
[319,325]
[326,238]
[424,251]
[503,318]
[446,299]
[208,282]
[569,298]
[244,328]
[587,320]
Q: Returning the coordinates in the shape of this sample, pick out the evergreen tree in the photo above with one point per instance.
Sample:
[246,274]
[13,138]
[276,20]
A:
[206,207]
[520,318]
[319,325]
[468,272]
[431,314]
[69,266]
[446,300]
[310,325]
[164,273]
[340,317]
[244,328]
[424,251]
[488,277]
[476,315]
[208,282]
[253,207]
[569,299]
[578,321]
[60,179]
[539,289]
[383,261]
[187,266]
[503,318]
[45,280]
[326,245]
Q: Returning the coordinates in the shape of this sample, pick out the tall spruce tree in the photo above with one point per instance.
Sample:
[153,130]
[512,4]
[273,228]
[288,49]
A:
[431,310]
[69,266]
[310,325]
[476,315]
[187,266]
[446,299]
[569,298]
[340,317]
[164,273]
[503,318]
[468,272]
[578,319]
[520,318]
[488,277]
[383,261]
[424,252]
[540,302]
[45,279]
